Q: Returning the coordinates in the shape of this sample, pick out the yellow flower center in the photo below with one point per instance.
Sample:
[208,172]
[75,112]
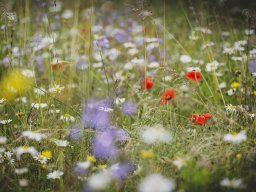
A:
[47,154]
[235,85]
[44,166]
[234,133]
[67,115]
[91,158]
[26,147]
[41,157]
[21,114]
[238,155]
[147,154]
[103,166]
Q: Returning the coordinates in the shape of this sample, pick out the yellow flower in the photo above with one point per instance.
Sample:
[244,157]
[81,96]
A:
[47,154]
[254,93]
[235,85]
[103,166]
[147,154]
[14,84]
[67,115]
[44,166]
[238,155]
[91,158]
[21,114]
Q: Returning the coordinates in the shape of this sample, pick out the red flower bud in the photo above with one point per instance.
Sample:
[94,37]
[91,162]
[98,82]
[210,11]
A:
[194,76]
[148,83]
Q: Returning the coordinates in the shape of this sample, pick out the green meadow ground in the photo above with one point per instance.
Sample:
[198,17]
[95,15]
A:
[182,28]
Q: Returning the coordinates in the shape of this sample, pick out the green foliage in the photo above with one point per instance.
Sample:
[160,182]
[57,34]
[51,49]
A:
[195,178]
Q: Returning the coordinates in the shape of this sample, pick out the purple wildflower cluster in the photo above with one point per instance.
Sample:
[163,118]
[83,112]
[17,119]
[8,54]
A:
[96,115]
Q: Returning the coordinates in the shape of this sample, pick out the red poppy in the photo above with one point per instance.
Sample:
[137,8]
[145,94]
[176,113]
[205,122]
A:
[207,116]
[200,119]
[58,67]
[194,76]
[168,95]
[148,83]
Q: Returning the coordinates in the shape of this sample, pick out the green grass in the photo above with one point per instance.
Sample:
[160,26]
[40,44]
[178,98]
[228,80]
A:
[209,157]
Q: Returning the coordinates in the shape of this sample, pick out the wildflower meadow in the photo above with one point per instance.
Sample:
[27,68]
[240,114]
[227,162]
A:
[127,95]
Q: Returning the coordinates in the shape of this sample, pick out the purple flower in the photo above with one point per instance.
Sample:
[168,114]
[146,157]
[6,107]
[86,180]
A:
[81,64]
[6,61]
[75,132]
[129,108]
[152,58]
[103,145]
[97,114]
[79,170]
[121,36]
[120,135]
[122,170]
[252,66]
[82,167]
[40,60]
[103,43]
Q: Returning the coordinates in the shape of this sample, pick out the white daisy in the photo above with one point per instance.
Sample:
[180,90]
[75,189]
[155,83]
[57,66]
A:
[21,171]
[23,182]
[133,51]
[212,66]
[51,111]
[179,163]
[28,73]
[61,143]
[233,183]
[153,64]
[222,85]
[237,58]
[2,150]
[156,183]
[101,180]
[185,59]
[33,135]
[42,159]
[67,14]
[249,31]
[206,45]
[97,65]
[230,108]
[40,91]
[84,165]
[56,89]
[39,105]
[55,174]
[4,122]
[119,101]
[3,140]
[137,61]
[25,149]
[2,100]
[235,137]
[231,92]
[22,99]
[155,134]
[129,45]
[67,117]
